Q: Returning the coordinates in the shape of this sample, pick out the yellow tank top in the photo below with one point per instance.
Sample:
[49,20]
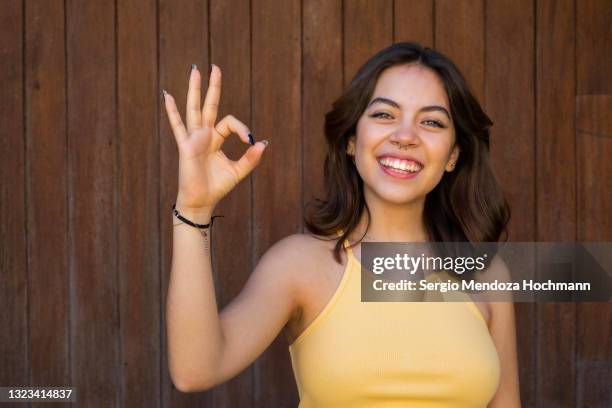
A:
[393,354]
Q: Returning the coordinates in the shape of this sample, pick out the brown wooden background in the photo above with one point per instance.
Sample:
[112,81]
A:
[88,170]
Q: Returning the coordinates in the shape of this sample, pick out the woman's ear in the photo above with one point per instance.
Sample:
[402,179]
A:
[452,161]
[350,148]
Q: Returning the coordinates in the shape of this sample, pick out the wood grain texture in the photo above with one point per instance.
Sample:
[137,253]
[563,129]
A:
[593,381]
[413,20]
[594,320]
[556,87]
[594,53]
[556,192]
[509,101]
[233,246]
[460,35]
[139,273]
[14,358]
[322,84]
[47,186]
[368,28]
[183,40]
[277,187]
[594,172]
[92,204]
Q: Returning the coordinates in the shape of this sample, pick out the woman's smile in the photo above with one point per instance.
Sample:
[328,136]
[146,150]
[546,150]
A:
[403,168]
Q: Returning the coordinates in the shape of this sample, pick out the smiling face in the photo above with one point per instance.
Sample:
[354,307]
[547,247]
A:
[405,138]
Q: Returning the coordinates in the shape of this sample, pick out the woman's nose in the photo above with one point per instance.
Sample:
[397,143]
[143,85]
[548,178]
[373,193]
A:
[405,135]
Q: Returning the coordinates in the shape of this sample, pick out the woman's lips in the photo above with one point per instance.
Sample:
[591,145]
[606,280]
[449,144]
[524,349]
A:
[398,173]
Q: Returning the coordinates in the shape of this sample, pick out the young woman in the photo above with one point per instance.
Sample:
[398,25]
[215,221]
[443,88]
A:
[407,161]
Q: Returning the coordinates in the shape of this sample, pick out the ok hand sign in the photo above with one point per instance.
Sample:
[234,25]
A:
[206,175]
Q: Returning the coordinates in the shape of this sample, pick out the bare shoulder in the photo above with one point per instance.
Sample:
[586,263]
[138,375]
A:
[314,275]
[304,251]
[312,261]
[496,271]
[499,269]
[503,306]
[299,256]
[280,276]
[273,293]
[302,247]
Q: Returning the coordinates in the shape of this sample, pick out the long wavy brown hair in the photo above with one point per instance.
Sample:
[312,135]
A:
[466,206]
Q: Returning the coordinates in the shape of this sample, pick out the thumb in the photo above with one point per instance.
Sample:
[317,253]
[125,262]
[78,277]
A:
[250,159]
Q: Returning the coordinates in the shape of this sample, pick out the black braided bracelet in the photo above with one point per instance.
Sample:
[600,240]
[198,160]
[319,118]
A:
[193,224]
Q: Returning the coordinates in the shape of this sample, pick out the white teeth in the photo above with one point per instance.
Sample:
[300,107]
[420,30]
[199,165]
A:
[400,165]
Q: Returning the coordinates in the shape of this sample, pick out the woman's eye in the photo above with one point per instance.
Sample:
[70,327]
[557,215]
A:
[434,123]
[382,115]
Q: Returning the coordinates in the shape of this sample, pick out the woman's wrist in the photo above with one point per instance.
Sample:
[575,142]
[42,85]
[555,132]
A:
[202,215]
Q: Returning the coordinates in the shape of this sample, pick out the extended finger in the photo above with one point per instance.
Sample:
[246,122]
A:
[226,127]
[193,114]
[213,94]
[176,123]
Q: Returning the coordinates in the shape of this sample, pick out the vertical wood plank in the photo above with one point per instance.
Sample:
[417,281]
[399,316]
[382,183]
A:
[232,241]
[459,35]
[594,374]
[594,132]
[413,20]
[368,28]
[555,187]
[92,158]
[594,149]
[14,358]
[47,187]
[139,270]
[322,84]
[594,320]
[183,40]
[594,53]
[509,101]
[556,87]
[276,107]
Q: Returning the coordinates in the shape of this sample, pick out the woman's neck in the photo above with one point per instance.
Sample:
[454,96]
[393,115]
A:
[393,223]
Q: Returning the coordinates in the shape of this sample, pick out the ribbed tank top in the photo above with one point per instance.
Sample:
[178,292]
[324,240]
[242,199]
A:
[394,354]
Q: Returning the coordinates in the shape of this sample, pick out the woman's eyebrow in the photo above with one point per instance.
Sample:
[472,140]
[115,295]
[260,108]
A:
[381,99]
[430,108]
[433,108]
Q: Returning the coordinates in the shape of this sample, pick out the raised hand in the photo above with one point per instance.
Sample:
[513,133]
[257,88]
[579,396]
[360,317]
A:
[206,175]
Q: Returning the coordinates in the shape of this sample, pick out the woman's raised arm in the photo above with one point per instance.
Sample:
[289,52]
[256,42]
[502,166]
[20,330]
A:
[205,347]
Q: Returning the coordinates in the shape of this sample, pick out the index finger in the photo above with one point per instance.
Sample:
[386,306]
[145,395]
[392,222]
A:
[213,93]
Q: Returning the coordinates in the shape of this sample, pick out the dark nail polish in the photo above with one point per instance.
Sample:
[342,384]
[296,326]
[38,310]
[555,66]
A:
[265,142]
[251,141]
[193,66]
